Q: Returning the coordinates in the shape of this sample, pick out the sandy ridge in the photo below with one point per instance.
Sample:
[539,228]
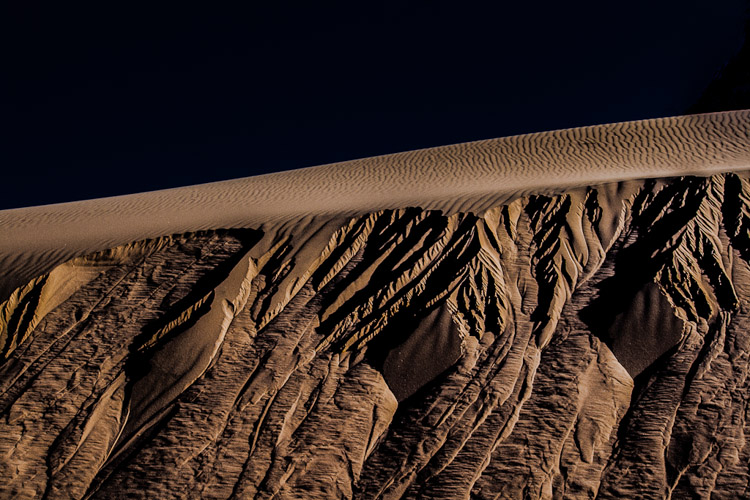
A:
[471,176]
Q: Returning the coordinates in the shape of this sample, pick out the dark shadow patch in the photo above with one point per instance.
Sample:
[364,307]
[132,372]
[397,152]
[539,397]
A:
[415,350]
[631,314]
[644,331]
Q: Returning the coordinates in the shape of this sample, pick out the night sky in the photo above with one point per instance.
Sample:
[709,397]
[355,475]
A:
[108,98]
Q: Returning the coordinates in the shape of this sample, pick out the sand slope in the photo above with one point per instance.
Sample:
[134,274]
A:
[586,339]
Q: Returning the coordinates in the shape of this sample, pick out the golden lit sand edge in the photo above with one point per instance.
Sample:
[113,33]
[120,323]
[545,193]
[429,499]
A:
[462,177]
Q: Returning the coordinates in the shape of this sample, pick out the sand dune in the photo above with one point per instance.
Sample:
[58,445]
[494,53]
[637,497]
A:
[558,315]
[470,177]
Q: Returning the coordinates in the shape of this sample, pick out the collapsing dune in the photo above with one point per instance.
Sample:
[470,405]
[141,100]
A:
[559,315]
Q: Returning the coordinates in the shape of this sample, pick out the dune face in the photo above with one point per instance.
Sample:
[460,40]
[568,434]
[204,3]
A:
[582,342]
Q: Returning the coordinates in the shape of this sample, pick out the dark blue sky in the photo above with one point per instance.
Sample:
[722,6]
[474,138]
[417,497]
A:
[110,98]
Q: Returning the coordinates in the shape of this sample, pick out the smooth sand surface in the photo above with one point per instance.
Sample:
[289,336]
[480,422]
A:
[463,177]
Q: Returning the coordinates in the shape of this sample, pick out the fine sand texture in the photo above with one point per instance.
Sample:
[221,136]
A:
[470,177]
[557,315]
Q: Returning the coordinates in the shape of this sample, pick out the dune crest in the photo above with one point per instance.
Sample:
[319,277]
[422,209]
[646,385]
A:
[469,177]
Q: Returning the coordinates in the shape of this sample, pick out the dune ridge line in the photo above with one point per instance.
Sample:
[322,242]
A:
[467,177]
